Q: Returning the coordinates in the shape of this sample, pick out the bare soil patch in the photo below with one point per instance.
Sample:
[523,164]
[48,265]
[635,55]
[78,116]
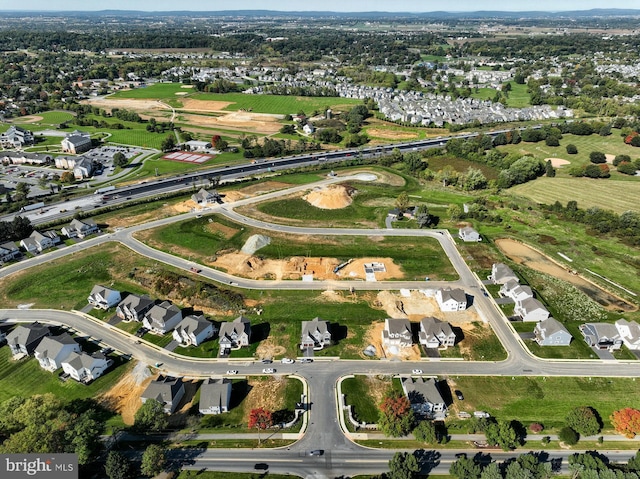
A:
[159,213]
[418,305]
[264,187]
[557,162]
[31,119]
[241,121]
[268,348]
[374,336]
[331,197]
[534,259]
[391,134]
[126,103]
[266,393]
[124,396]
[610,158]
[226,231]
[204,105]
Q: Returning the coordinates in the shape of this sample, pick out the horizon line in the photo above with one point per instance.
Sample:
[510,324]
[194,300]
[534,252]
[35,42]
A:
[318,11]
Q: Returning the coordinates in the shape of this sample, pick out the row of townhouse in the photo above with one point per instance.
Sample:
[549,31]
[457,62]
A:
[55,352]
[611,337]
[433,334]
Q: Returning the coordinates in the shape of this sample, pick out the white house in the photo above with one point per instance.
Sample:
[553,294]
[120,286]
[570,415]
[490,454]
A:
[629,331]
[193,330]
[501,273]
[425,397]
[215,395]
[204,197]
[16,137]
[604,336]
[80,228]
[468,234]
[133,307]
[550,332]
[436,334]
[85,367]
[451,299]
[530,309]
[514,290]
[397,334]
[38,242]
[162,318]
[195,145]
[315,334]
[52,350]
[234,334]
[103,298]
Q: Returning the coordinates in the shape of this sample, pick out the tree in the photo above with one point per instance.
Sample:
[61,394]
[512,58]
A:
[465,468]
[426,432]
[67,177]
[597,157]
[503,434]
[626,421]
[455,212]
[151,416]
[621,159]
[396,416]
[414,163]
[423,218]
[153,460]
[402,202]
[572,149]
[117,466]
[169,143]
[260,418]
[568,436]
[403,465]
[22,191]
[627,169]
[119,159]
[474,179]
[584,420]
[549,169]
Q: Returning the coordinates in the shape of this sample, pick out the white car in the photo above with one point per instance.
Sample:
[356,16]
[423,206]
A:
[232,371]
[416,371]
[268,370]
[287,361]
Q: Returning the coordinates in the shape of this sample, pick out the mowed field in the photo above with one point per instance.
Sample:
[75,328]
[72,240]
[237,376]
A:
[156,91]
[619,196]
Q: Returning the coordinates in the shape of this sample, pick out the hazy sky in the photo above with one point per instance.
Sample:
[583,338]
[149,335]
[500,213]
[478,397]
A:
[324,5]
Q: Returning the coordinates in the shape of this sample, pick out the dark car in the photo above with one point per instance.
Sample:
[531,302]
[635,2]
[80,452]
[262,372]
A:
[261,466]
[459,395]
[266,361]
[316,452]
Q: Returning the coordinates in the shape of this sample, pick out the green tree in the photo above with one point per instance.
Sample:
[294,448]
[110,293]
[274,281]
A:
[396,416]
[465,468]
[169,143]
[117,466]
[568,436]
[151,416]
[597,157]
[491,471]
[572,149]
[503,434]
[455,212]
[621,159]
[414,164]
[423,218]
[426,432]
[584,420]
[22,191]
[402,201]
[549,169]
[403,465]
[474,179]
[119,159]
[153,460]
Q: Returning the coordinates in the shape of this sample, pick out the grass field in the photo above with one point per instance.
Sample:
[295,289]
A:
[155,91]
[619,196]
[518,96]
[278,104]
[546,400]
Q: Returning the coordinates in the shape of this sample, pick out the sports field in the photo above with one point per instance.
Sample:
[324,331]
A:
[156,91]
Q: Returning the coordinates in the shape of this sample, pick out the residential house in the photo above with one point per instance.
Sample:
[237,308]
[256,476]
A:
[52,350]
[134,307]
[103,298]
[451,299]
[166,390]
[204,197]
[194,330]
[397,334]
[603,336]
[309,129]
[85,367]
[468,234]
[530,309]
[16,137]
[235,334]
[425,397]
[24,339]
[551,332]
[76,142]
[25,158]
[436,334]
[501,273]
[315,334]
[215,395]
[162,318]
[83,168]
[629,331]
[514,290]
[80,228]
[9,252]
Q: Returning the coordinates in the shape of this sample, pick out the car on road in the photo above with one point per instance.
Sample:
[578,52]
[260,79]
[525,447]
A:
[261,466]
[316,452]
[232,371]
[287,361]
[306,360]
[268,371]
[266,361]
[416,371]
[195,270]
[459,395]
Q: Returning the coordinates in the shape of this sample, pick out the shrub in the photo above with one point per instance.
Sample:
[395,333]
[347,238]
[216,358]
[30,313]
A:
[572,149]
[627,168]
[621,159]
[584,420]
[568,436]
[597,157]
[552,141]
[536,427]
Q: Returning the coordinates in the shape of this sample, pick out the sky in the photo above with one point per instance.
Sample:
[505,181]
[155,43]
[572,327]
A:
[324,5]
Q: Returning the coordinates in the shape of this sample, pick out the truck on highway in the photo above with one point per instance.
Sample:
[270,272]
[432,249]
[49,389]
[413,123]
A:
[104,189]
[32,207]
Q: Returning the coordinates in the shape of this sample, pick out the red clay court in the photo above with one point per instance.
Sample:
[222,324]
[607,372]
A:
[187,157]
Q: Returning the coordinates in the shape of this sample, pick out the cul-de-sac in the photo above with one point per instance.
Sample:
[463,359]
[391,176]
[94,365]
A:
[342,240]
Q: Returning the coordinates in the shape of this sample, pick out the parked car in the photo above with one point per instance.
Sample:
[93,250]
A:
[459,395]
[416,371]
[232,371]
[268,370]
[266,361]
[316,452]
[306,360]
[287,361]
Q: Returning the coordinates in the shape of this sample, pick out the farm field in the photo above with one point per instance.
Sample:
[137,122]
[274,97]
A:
[619,196]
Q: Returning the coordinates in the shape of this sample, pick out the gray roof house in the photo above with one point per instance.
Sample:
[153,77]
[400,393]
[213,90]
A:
[162,318]
[103,298]
[215,395]
[204,197]
[397,333]
[436,334]
[85,367]
[425,397]
[451,299]
[315,334]
[76,142]
[501,273]
[52,350]
[24,339]
[551,332]
[468,234]
[167,391]
[194,330]
[80,229]
[38,242]
[235,334]
[134,307]
[516,291]
[603,336]
[9,252]
[629,331]
[530,309]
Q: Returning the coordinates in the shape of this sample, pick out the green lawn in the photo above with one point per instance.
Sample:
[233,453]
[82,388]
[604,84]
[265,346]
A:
[546,399]
[356,391]
[155,91]
[26,378]
[518,96]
